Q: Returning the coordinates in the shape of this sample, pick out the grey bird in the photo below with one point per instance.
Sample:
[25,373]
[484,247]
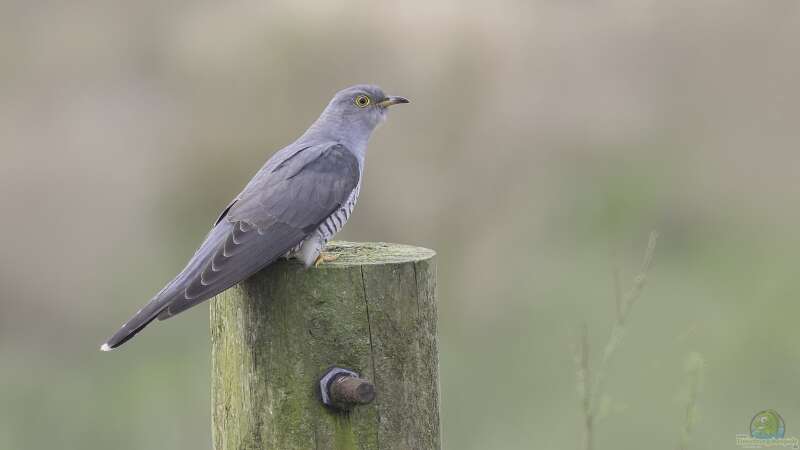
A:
[296,202]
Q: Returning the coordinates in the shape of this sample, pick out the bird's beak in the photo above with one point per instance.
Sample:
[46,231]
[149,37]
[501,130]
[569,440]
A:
[392,100]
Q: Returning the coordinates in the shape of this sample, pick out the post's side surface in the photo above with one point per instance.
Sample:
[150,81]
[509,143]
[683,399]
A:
[373,310]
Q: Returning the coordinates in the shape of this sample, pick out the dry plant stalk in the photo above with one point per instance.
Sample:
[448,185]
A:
[694,368]
[585,384]
[590,388]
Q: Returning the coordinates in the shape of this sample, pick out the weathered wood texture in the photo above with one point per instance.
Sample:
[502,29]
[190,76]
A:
[373,310]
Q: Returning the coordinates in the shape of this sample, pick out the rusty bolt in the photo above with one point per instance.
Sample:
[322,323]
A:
[343,389]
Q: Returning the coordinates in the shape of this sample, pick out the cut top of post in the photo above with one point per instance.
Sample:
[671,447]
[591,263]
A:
[368,253]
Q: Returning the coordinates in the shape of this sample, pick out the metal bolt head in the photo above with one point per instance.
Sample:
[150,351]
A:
[343,388]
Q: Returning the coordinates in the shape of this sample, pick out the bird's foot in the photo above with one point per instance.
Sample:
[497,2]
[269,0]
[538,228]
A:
[324,258]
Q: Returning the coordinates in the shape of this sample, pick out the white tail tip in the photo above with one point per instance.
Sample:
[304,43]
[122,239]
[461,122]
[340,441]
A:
[105,348]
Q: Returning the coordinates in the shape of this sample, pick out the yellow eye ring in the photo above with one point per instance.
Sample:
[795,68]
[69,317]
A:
[362,101]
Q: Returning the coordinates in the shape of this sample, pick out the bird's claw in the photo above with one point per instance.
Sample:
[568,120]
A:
[324,258]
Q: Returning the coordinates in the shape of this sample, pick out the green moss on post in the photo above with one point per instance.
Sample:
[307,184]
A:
[372,310]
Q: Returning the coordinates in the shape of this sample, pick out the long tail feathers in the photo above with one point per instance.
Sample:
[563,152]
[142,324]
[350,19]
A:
[136,324]
[171,291]
[227,256]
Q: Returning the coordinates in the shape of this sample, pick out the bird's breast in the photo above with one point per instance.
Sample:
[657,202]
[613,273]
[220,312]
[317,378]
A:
[331,225]
[335,222]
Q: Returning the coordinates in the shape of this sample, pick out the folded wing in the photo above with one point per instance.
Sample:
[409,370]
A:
[285,202]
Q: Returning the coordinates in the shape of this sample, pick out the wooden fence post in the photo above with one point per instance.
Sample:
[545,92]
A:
[372,311]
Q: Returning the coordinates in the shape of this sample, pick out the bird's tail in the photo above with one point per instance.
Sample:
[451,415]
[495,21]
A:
[173,290]
[136,323]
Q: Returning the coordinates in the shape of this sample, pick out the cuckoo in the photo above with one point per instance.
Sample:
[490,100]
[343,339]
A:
[295,203]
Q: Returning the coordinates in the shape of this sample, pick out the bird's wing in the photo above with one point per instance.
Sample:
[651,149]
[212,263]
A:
[273,215]
[283,204]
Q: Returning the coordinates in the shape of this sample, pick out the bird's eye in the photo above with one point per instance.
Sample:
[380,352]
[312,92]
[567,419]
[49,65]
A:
[362,101]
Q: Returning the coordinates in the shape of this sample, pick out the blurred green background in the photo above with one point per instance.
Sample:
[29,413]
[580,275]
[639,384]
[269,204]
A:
[545,140]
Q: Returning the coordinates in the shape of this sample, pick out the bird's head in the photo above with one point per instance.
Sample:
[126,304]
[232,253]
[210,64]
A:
[362,105]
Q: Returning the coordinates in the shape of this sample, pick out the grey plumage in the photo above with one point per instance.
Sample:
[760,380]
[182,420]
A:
[299,199]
